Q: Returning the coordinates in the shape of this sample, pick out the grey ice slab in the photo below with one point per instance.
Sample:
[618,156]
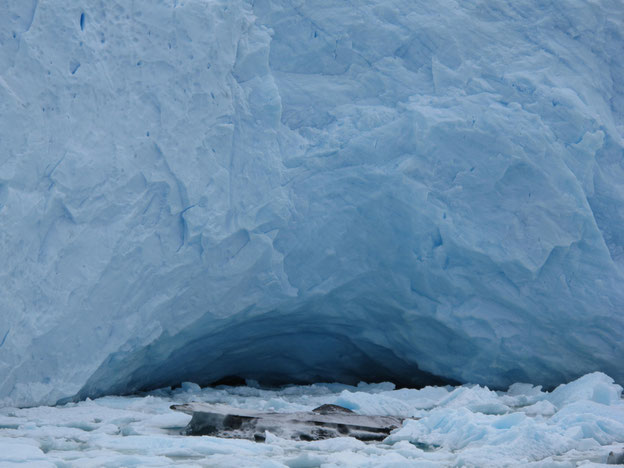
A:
[615,458]
[324,422]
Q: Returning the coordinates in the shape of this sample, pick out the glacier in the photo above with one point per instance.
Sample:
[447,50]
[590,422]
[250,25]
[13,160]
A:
[296,192]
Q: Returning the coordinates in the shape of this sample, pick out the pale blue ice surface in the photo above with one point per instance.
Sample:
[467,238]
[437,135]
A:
[309,191]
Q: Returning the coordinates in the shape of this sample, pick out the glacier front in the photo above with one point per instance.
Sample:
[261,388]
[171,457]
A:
[300,191]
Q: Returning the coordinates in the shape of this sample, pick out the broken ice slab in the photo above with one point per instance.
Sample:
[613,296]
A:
[324,422]
[615,458]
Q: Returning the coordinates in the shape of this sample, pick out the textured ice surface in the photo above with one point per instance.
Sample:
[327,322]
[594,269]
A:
[304,191]
[587,424]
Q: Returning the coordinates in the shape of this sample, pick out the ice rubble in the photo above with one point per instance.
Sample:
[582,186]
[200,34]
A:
[393,190]
[468,426]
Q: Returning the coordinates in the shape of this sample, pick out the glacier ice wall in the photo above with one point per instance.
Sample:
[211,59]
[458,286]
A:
[309,190]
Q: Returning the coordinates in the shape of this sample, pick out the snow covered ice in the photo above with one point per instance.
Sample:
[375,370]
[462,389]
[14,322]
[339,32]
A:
[299,192]
[577,424]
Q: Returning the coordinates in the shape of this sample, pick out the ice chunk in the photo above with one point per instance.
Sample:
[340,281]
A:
[543,407]
[327,421]
[615,458]
[476,398]
[19,450]
[566,419]
[596,387]
[189,387]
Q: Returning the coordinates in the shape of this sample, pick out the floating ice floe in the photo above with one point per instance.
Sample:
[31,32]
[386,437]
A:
[577,424]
